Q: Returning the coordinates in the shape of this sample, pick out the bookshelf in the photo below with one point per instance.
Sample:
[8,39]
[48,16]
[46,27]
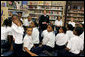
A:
[36,8]
[76,10]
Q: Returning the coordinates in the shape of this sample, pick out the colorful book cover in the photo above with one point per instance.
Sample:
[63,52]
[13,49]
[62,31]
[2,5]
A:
[3,3]
[40,2]
[47,3]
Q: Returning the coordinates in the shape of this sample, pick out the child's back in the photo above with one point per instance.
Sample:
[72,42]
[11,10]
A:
[70,34]
[61,39]
[75,44]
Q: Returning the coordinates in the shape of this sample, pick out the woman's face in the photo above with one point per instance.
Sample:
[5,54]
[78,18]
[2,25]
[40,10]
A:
[44,12]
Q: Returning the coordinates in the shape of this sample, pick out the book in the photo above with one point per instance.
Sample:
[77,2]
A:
[40,2]
[47,2]
[3,4]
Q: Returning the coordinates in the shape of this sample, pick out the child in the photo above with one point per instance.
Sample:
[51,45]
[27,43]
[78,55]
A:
[71,22]
[48,42]
[17,32]
[35,33]
[75,44]
[5,30]
[28,21]
[61,38]
[28,43]
[69,31]
[58,24]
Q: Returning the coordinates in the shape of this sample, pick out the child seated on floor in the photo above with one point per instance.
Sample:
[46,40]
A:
[28,43]
[48,42]
[75,44]
[61,39]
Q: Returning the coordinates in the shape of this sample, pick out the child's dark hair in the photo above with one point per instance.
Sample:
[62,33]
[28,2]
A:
[51,26]
[35,23]
[70,27]
[28,27]
[78,30]
[64,29]
[14,15]
[7,22]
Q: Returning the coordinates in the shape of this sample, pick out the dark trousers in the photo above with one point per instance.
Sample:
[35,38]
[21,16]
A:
[59,47]
[39,50]
[40,38]
[18,49]
[5,46]
[64,52]
[57,28]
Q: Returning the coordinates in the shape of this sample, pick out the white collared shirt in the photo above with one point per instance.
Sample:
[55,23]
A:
[58,23]
[26,22]
[72,23]
[17,33]
[49,39]
[70,34]
[35,35]
[4,32]
[44,33]
[61,39]
[75,44]
[28,42]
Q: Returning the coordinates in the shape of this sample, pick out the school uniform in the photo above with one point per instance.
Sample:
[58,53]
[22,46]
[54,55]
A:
[75,44]
[72,23]
[48,41]
[58,23]
[61,40]
[17,33]
[26,22]
[44,33]
[35,36]
[4,41]
[70,34]
[28,43]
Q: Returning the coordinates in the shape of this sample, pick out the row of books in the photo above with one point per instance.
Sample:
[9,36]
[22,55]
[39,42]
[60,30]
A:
[24,4]
[76,15]
[49,12]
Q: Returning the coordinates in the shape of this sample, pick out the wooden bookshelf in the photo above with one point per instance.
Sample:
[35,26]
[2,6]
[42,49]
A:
[36,8]
[76,10]
[52,10]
